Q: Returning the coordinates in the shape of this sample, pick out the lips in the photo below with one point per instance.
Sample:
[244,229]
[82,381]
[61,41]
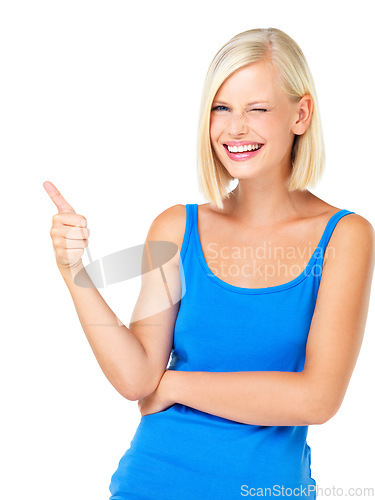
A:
[245,155]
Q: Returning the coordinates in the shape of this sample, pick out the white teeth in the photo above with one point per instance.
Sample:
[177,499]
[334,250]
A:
[241,149]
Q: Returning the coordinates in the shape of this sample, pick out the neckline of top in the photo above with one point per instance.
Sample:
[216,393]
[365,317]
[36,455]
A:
[270,289]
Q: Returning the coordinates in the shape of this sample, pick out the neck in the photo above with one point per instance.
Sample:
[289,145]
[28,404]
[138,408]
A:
[258,203]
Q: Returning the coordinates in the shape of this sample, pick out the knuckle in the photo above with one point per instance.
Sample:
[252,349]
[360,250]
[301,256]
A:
[82,220]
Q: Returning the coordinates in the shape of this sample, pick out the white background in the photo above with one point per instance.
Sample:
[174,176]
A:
[102,99]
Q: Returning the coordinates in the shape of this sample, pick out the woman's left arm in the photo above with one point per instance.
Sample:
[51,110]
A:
[315,394]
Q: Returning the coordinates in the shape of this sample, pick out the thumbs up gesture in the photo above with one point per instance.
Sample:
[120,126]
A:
[69,230]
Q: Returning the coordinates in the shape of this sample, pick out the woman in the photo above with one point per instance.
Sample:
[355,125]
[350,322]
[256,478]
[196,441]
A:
[276,285]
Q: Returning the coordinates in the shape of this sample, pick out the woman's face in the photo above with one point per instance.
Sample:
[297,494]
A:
[249,107]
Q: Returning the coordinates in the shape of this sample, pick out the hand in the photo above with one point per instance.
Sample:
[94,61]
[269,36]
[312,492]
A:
[160,399]
[69,230]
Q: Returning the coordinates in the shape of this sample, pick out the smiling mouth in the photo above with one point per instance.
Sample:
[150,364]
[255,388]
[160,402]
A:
[246,150]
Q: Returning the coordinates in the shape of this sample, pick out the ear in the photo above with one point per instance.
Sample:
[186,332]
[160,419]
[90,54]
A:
[305,108]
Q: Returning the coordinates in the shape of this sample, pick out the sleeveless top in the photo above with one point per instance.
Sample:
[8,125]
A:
[185,453]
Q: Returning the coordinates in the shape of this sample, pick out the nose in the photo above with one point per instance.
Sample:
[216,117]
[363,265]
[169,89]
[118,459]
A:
[238,124]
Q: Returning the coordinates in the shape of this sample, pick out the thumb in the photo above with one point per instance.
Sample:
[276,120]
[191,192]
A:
[57,198]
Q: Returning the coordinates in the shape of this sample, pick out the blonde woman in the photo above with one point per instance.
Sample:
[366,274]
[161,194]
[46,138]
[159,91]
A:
[273,286]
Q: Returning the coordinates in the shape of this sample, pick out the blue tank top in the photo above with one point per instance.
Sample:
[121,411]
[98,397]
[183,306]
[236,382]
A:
[188,454]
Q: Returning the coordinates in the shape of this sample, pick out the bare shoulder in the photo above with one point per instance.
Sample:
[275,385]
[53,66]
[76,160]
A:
[354,226]
[353,234]
[169,225]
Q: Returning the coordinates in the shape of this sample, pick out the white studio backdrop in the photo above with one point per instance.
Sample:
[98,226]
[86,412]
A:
[102,99]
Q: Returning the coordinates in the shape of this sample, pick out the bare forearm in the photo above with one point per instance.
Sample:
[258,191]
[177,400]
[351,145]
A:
[257,398]
[119,353]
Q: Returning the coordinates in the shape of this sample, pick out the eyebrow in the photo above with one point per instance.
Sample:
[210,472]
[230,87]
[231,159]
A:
[248,104]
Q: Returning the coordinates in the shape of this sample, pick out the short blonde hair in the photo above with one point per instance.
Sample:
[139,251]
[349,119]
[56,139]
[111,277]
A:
[283,53]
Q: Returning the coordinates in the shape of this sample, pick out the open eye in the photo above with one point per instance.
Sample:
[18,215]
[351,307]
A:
[217,108]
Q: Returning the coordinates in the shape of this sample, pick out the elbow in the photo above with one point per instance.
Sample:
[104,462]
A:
[130,395]
[141,387]
[320,411]
[127,391]
[318,418]
[130,392]
[134,387]
[135,393]
[321,400]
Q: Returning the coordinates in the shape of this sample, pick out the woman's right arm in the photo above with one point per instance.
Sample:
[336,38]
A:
[133,359]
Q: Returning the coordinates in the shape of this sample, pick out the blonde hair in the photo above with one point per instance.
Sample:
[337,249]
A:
[283,53]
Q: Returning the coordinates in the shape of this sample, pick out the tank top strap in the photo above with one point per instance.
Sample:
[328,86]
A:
[190,216]
[331,224]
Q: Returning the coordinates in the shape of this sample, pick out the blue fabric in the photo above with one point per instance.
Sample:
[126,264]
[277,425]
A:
[186,454]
